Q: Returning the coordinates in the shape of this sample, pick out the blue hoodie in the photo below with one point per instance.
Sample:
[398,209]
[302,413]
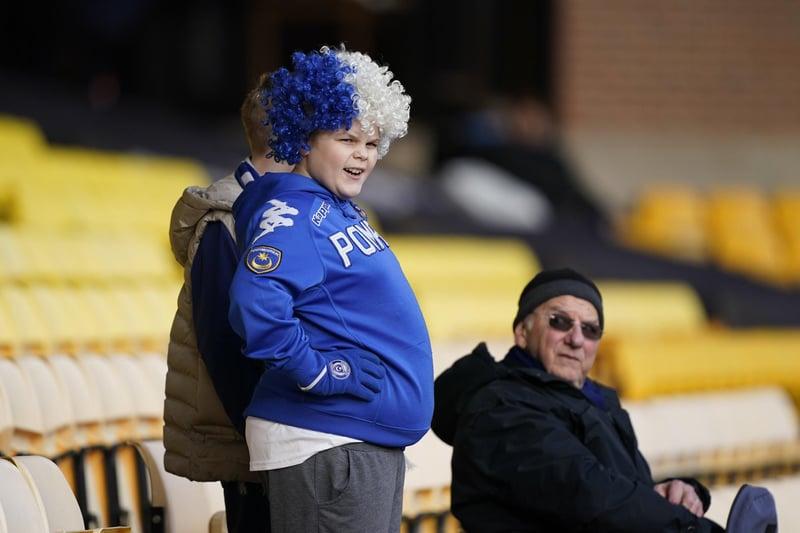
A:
[321,281]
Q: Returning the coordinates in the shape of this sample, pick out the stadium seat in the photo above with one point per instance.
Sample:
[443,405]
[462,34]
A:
[56,496]
[670,220]
[642,367]
[717,431]
[427,510]
[33,335]
[105,471]
[6,424]
[743,234]
[466,285]
[58,420]
[182,506]
[102,183]
[650,310]
[9,341]
[21,509]
[26,413]
[786,210]
[147,397]
[87,422]
[12,256]
[21,138]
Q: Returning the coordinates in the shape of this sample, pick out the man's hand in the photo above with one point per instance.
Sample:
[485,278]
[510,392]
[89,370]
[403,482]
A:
[681,493]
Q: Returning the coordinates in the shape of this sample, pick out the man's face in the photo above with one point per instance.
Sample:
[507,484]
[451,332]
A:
[341,160]
[568,354]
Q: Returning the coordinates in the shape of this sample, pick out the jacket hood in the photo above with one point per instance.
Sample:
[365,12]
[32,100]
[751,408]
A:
[454,387]
[192,206]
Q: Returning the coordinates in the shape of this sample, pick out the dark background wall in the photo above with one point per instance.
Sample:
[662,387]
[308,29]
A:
[203,55]
[720,77]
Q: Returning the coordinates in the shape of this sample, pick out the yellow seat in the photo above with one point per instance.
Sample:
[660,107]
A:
[670,220]
[786,210]
[103,183]
[654,307]
[466,285]
[722,359]
[14,262]
[20,138]
[32,333]
[743,235]
[9,341]
[650,310]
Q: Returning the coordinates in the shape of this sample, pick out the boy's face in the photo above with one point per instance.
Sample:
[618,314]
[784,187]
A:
[341,160]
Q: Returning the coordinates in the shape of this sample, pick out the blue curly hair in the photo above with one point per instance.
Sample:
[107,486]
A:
[327,90]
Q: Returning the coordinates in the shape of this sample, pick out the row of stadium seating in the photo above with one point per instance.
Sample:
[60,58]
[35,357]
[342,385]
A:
[88,290]
[97,416]
[72,189]
[741,229]
[87,293]
[38,499]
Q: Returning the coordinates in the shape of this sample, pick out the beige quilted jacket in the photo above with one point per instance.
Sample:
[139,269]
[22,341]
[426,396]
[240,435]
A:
[200,441]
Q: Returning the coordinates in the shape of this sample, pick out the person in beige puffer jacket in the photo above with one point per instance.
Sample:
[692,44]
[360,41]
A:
[208,381]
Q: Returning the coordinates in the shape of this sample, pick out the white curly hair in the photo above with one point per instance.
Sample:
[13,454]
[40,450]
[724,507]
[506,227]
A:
[380,100]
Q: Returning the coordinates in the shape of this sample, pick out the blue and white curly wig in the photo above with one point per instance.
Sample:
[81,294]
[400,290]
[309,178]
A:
[327,90]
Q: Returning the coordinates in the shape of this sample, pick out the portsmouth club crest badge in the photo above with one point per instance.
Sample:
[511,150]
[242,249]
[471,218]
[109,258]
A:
[263,259]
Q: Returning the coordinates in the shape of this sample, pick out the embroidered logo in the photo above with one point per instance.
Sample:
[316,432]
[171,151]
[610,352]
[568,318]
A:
[275,217]
[263,259]
[340,369]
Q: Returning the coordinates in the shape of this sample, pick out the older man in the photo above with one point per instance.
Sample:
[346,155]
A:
[540,447]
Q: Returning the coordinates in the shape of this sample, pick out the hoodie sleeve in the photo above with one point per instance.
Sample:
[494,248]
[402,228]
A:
[274,273]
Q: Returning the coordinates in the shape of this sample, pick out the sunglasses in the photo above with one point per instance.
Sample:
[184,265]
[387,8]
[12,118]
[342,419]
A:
[563,323]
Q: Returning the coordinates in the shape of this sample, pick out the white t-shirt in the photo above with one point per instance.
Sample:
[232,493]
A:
[273,445]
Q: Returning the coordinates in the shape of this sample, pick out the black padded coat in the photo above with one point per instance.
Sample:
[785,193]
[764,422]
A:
[532,453]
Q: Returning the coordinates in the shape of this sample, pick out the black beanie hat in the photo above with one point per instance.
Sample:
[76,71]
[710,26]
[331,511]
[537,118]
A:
[557,282]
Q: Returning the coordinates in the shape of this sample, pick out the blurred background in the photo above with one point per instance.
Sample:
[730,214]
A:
[655,146]
[592,106]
